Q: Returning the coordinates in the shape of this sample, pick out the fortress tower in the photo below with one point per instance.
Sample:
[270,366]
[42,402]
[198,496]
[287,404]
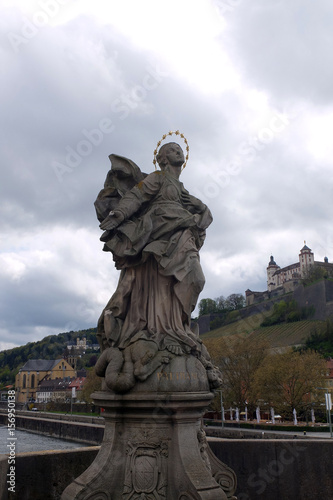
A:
[306,260]
[271,269]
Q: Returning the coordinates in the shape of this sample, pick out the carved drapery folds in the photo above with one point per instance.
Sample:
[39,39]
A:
[158,378]
[154,229]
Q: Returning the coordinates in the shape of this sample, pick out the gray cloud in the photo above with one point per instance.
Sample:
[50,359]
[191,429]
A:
[285,48]
[79,90]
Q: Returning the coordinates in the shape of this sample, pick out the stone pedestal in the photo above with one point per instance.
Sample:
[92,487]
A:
[154,448]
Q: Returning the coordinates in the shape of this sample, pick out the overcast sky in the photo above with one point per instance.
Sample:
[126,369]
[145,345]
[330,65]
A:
[248,83]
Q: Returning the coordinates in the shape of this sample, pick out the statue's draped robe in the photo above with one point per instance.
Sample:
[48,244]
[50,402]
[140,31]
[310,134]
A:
[156,247]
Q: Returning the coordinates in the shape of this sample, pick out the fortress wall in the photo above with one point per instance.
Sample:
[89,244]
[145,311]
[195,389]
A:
[329,291]
[319,294]
[316,295]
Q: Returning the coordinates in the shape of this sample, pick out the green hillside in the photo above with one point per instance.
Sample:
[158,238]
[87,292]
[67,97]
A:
[282,335]
[50,347]
[288,334]
[241,326]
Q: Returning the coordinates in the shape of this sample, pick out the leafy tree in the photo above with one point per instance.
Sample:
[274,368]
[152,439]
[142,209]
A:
[221,304]
[287,312]
[235,301]
[79,363]
[92,360]
[285,380]
[92,384]
[315,273]
[321,340]
[239,361]
[207,306]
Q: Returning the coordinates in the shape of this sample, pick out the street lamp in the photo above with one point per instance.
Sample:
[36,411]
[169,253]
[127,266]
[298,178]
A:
[328,401]
[222,409]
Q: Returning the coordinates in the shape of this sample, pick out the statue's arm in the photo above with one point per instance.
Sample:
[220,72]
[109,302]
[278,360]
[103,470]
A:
[132,201]
[193,204]
[196,206]
[202,214]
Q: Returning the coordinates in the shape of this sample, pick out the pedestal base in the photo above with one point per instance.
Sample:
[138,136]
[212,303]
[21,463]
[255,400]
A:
[154,448]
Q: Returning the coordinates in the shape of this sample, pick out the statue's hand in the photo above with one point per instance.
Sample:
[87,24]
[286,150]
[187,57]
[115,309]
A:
[194,204]
[112,221]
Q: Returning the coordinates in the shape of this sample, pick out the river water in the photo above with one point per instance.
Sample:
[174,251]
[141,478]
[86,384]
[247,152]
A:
[29,441]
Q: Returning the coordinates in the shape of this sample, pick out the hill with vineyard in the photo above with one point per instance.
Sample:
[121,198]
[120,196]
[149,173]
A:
[301,318]
[278,336]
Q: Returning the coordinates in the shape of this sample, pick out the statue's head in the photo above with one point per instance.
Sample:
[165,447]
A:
[170,154]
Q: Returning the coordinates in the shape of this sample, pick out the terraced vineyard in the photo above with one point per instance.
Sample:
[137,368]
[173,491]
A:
[287,334]
[278,336]
[242,326]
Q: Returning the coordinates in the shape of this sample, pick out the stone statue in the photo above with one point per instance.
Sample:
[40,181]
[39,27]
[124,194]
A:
[154,229]
[158,378]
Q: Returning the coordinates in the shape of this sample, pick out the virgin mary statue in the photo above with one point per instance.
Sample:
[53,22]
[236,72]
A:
[154,229]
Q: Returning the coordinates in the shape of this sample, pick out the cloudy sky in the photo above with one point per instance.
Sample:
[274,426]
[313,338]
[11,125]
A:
[248,83]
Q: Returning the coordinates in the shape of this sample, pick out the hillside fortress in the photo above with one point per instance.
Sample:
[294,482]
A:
[286,279]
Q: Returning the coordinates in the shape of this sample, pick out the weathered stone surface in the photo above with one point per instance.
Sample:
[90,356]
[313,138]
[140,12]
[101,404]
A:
[157,374]
[154,229]
[279,469]
[154,447]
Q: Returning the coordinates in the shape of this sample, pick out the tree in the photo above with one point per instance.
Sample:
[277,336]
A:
[92,384]
[239,359]
[285,380]
[235,301]
[315,273]
[207,306]
[221,304]
[92,360]
[79,363]
[288,312]
[321,340]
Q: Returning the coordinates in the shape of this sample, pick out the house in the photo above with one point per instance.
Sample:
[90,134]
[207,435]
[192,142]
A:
[76,386]
[59,390]
[53,390]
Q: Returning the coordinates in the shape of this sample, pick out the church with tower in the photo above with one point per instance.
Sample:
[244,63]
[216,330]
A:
[281,280]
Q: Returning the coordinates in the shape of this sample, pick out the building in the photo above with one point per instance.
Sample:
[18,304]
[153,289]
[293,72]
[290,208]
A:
[81,346]
[287,279]
[45,390]
[55,390]
[77,384]
[35,371]
[74,350]
[59,390]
